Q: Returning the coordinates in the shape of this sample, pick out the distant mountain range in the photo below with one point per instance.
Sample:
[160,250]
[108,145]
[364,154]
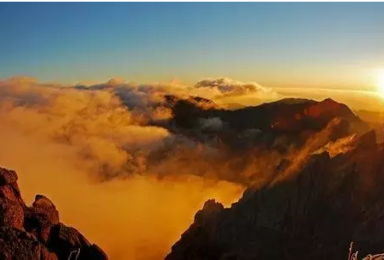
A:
[287,116]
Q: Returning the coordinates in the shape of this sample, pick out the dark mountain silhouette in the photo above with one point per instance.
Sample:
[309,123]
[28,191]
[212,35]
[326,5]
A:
[35,232]
[312,213]
[276,127]
[285,116]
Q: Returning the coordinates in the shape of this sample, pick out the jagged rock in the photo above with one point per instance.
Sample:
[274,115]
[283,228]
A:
[7,176]
[44,208]
[40,218]
[11,192]
[210,209]
[35,232]
[42,202]
[8,186]
[313,213]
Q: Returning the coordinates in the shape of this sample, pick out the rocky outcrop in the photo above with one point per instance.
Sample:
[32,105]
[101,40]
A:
[311,214]
[7,177]
[36,232]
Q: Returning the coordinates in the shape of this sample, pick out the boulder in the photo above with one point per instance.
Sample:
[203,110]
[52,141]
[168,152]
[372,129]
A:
[44,208]
[40,218]
[7,176]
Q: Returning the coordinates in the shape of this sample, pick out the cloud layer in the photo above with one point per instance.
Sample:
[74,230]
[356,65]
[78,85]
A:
[93,152]
[103,151]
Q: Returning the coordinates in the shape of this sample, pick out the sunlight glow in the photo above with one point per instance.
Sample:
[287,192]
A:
[380,83]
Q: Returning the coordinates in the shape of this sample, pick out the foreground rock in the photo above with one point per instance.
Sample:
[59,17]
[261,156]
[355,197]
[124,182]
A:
[313,213]
[36,232]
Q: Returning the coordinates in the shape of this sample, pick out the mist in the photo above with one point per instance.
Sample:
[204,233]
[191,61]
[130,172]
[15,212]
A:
[87,153]
[127,184]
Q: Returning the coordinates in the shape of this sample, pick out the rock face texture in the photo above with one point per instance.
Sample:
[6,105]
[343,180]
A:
[36,232]
[313,213]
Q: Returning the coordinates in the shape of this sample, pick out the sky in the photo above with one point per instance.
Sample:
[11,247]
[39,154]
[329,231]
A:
[332,45]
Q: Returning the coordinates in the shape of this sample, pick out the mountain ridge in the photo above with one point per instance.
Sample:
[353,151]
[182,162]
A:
[313,214]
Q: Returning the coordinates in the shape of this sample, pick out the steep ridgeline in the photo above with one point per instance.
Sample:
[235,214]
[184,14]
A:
[35,233]
[314,213]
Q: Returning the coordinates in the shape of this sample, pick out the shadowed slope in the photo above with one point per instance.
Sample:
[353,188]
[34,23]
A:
[311,214]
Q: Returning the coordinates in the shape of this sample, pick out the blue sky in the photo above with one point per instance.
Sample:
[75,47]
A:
[275,44]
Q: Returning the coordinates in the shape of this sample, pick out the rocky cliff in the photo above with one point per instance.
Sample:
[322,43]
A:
[313,213]
[35,232]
